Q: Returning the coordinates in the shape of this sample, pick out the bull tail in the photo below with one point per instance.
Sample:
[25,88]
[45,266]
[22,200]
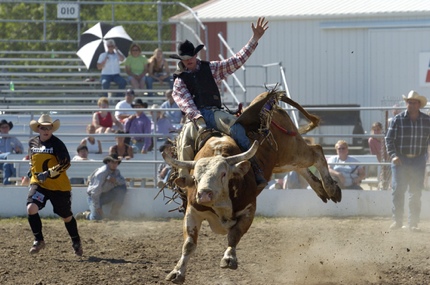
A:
[314,120]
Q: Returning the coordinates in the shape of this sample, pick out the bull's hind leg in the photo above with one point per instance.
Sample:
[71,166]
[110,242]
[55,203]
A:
[314,182]
[330,186]
[191,228]
[244,221]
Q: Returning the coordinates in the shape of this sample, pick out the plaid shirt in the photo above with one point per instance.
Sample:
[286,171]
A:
[405,137]
[220,70]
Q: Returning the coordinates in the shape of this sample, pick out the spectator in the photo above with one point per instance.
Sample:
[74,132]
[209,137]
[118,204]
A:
[108,63]
[158,70]
[164,168]
[93,145]
[197,94]
[81,154]
[121,149]
[49,160]
[293,180]
[106,185]
[347,176]
[136,66]
[162,124]
[122,114]
[139,123]
[8,144]
[376,143]
[176,117]
[103,120]
[407,142]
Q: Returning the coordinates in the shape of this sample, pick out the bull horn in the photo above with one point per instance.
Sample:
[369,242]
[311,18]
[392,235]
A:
[178,163]
[244,155]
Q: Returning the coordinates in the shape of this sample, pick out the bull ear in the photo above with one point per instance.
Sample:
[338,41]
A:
[242,167]
[181,182]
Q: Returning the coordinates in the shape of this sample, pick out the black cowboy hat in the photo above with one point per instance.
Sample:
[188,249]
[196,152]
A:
[186,50]
[139,102]
[112,157]
[4,122]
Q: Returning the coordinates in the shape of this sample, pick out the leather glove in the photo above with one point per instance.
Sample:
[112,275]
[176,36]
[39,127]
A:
[42,176]
[201,124]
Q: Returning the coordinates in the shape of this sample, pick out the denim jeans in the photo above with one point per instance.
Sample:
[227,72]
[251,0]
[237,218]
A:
[115,196]
[409,173]
[150,81]
[237,131]
[106,79]
[8,171]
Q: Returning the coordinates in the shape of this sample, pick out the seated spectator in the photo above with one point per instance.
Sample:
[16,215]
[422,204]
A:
[93,145]
[108,62]
[103,120]
[376,144]
[158,70]
[122,114]
[293,180]
[347,176]
[175,117]
[136,67]
[164,168]
[8,144]
[162,125]
[121,149]
[139,123]
[106,185]
[81,154]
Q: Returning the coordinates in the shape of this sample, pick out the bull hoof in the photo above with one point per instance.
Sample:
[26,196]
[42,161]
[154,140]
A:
[175,277]
[337,196]
[228,263]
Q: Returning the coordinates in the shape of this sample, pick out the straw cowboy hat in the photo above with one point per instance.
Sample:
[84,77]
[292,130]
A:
[186,50]
[44,120]
[415,96]
[112,157]
[4,122]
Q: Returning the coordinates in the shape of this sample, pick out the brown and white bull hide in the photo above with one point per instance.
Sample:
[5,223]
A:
[224,195]
[285,152]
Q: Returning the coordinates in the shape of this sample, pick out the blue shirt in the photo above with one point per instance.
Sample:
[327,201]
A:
[405,137]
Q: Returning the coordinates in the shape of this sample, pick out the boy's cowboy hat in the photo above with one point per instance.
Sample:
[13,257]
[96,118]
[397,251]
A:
[4,122]
[186,50]
[44,120]
[112,157]
[415,96]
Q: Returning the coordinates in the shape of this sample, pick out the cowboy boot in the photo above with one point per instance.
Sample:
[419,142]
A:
[259,178]
[187,153]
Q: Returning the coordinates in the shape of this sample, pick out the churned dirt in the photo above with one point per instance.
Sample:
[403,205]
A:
[357,250]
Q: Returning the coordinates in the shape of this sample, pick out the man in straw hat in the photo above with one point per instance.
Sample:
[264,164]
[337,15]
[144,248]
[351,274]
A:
[8,144]
[49,160]
[196,92]
[106,185]
[407,140]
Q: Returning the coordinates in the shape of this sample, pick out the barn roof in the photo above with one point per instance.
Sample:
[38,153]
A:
[223,10]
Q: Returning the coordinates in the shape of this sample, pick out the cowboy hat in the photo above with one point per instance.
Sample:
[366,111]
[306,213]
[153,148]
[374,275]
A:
[44,120]
[186,50]
[4,122]
[112,157]
[139,102]
[412,95]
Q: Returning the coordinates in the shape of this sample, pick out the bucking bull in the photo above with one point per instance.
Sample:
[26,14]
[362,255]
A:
[225,192]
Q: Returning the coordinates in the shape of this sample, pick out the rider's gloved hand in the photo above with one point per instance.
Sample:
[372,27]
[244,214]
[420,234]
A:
[201,124]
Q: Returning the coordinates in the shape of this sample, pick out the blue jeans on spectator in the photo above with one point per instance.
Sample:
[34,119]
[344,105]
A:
[150,81]
[106,79]
[115,196]
[8,171]
[409,173]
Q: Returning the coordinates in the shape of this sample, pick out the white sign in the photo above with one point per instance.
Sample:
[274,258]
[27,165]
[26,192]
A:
[67,10]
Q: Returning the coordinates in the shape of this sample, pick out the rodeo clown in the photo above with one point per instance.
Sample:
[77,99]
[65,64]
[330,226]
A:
[49,159]
[196,92]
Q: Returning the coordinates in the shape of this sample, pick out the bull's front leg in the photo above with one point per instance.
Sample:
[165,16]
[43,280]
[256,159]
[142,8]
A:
[191,228]
[244,221]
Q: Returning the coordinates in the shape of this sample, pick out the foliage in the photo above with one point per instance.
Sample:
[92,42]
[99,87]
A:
[23,26]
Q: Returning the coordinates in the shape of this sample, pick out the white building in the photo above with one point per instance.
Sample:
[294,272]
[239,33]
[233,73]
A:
[366,52]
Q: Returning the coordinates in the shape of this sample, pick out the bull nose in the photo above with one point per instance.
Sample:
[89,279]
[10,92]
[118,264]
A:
[205,196]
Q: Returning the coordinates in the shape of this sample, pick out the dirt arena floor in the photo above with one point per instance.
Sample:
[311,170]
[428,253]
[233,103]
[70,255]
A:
[275,251]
